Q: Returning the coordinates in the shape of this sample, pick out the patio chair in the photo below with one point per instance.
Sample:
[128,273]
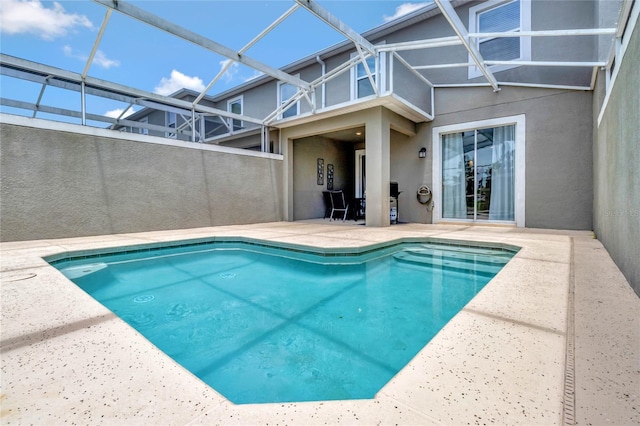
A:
[338,204]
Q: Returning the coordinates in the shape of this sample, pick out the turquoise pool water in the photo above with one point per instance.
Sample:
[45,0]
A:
[263,324]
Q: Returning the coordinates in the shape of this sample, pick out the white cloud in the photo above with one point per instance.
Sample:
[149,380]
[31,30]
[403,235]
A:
[178,81]
[68,51]
[115,113]
[99,59]
[404,9]
[31,17]
[231,72]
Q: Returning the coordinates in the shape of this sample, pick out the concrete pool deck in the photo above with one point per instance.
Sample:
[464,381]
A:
[554,338]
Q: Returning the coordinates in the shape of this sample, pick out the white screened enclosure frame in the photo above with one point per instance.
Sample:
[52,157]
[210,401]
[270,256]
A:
[194,114]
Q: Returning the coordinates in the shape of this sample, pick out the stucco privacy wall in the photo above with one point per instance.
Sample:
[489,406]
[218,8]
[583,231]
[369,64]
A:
[558,155]
[616,167]
[57,184]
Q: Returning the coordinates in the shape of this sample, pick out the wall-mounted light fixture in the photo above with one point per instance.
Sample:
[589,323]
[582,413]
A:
[422,153]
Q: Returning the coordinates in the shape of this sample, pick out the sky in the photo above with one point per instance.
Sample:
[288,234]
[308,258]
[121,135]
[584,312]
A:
[62,33]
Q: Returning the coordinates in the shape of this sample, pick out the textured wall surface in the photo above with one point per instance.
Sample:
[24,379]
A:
[559,182]
[57,184]
[308,201]
[616,168]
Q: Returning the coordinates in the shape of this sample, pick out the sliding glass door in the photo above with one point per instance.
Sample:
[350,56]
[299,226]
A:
[478,174]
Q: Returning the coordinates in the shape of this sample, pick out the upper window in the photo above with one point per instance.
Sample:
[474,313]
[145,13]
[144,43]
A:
[235,106]
[144,130]
[285,92]
[501,16]
[171,121]
[360,83]
[363,84]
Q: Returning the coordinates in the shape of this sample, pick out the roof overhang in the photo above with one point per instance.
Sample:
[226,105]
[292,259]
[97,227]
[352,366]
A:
[389,101]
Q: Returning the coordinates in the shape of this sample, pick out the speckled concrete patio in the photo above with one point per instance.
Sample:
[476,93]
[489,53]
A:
[554,338]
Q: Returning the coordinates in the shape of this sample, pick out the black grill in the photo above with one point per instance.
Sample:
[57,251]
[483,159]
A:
[393,189]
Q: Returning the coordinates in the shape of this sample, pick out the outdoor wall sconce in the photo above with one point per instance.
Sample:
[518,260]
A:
[422,153]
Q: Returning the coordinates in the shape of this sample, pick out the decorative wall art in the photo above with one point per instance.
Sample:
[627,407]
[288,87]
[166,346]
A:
[330,177]
[320,171]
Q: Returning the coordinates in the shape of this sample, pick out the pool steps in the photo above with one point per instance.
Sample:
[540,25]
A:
[453,261]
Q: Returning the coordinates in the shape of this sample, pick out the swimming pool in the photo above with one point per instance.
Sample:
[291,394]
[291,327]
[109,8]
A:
[261,323]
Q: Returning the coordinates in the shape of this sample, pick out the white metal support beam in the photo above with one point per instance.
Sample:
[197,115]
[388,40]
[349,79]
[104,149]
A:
[412,69]
[335,72]
[283,107]
[267,30]
[546,33]
[121,116]
[454,20]
[549,63]
[32,71]
[93,117]
[42,89]
[440,66]
[325,16]
[367,70]
[94,49]
[83,102]
[420,44]
[228,64]
[197,39]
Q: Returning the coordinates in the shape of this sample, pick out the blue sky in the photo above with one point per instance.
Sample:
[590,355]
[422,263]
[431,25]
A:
[62,33]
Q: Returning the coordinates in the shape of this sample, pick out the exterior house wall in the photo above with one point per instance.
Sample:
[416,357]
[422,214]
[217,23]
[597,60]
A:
[260,100]
[157,118]
[338,89]
[616,156]
[558,155]
[545,15]
[311,73]
[58,184]
[257,102]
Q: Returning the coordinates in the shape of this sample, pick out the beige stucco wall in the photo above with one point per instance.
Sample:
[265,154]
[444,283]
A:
[379,123]
[616,203]
[57,183]
[558,156]
[308,202]
[558,180]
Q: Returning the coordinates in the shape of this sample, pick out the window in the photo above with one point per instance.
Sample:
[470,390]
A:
[171,121]
[144,130]
[360,83]
[501,16]
[285,92]
[479,171]
[235,106]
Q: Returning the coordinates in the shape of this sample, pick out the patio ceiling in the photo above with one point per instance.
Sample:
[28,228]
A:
[83,83]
